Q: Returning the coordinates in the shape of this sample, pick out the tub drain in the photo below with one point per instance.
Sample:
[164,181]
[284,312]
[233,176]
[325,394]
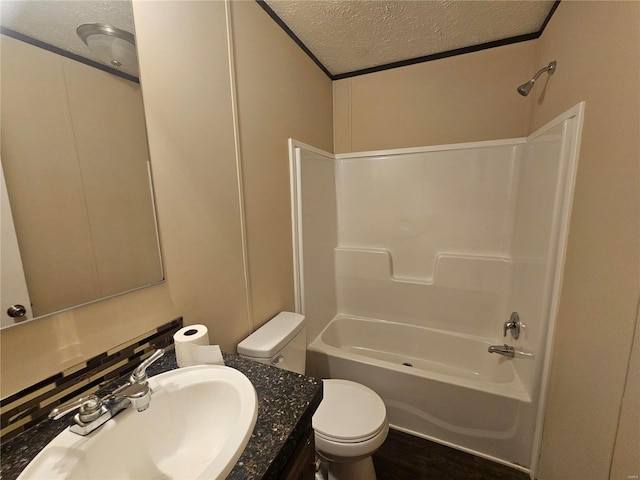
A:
[407,364]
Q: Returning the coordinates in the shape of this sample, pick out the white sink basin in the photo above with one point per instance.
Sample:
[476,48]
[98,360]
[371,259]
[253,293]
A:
[197,425]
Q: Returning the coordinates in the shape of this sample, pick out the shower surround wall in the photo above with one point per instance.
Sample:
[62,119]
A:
[449,238]
[424,238]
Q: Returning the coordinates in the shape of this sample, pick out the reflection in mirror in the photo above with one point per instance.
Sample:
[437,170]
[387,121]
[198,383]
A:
[78,217]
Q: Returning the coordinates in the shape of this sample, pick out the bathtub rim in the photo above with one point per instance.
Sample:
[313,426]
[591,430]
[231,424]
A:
[317,345]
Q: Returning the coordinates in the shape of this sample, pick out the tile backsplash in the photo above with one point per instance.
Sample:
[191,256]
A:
[28,407]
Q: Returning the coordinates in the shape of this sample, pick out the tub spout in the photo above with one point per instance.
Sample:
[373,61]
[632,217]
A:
[505,350]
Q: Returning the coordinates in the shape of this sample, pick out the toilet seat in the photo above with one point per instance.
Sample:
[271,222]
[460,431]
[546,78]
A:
[349,413]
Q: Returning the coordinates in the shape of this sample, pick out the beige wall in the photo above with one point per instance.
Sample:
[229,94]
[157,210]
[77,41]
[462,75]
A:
[597,46]
[34,351]
[187,93]
[626,453]
[457,99]
[280,95]
[191,140]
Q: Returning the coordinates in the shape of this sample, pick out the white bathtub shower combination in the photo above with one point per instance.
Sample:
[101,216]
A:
[409,262]
[438,384]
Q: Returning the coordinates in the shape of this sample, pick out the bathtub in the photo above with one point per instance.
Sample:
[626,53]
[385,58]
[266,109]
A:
[436,384]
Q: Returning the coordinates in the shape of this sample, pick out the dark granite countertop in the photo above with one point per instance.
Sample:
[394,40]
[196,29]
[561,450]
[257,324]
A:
[286,403]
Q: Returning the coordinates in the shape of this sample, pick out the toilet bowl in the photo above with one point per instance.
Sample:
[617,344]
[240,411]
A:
[349,425]
[351,422]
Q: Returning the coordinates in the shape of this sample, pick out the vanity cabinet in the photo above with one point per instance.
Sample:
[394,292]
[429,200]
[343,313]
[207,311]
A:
[302,463]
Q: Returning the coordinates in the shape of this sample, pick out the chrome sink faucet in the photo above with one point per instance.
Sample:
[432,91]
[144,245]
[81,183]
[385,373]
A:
[93,411]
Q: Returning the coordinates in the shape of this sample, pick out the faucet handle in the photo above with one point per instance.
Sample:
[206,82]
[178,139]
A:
[90,407]
[513,324]
[140,373]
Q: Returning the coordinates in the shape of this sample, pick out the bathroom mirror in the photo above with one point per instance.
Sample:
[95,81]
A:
[78,215]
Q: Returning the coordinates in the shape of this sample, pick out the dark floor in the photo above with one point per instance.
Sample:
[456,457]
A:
[405,457]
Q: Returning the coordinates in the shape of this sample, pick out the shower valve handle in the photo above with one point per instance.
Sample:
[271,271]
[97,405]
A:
[513,324]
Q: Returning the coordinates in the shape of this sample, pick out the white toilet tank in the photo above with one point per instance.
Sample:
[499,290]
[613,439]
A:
[281,342]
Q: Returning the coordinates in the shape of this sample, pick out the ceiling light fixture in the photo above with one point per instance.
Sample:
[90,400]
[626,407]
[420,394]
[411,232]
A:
[111,45]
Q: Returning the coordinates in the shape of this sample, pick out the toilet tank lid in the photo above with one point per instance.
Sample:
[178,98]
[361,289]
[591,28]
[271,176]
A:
[270,338]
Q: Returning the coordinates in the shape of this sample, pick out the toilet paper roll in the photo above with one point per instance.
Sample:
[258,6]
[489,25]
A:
[206,355]
[192,347]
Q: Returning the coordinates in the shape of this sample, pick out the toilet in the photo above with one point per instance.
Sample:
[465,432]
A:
[351,422]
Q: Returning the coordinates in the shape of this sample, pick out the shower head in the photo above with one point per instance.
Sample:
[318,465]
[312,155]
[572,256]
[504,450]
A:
[525,88]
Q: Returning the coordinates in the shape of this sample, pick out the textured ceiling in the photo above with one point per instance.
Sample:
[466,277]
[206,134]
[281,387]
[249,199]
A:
[55,21]
[351,35]
[344,35]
